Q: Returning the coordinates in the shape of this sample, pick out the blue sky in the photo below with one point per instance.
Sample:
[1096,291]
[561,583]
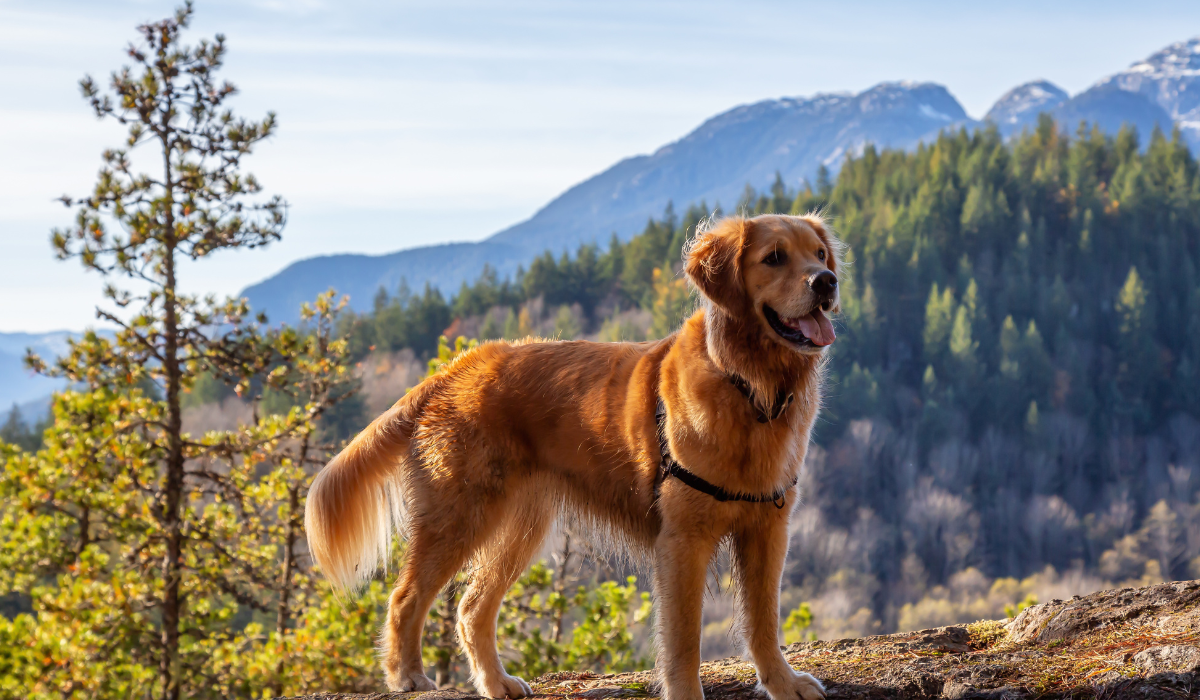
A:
[409,123]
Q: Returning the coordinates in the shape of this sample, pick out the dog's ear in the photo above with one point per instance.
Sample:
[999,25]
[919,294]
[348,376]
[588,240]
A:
[714,263]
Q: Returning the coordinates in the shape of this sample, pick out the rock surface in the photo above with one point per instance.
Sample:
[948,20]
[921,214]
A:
[1129,643]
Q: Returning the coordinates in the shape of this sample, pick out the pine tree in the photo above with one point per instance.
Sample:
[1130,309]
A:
[16,432]
[939,310]
[962,347]
[147,540]
[1036,368]
[1010,349]
[1138,361]
[566,326]
[671,303]
[490,330]
[512,327]
[824,184]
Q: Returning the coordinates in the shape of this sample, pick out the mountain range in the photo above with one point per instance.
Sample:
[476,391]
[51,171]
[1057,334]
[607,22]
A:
[748,145]
[713,164]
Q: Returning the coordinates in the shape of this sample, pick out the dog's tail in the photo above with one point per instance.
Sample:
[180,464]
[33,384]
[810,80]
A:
[355,502]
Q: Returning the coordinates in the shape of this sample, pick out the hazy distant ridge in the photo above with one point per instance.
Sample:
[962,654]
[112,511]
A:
[714,163]
[747,145]
[19,385]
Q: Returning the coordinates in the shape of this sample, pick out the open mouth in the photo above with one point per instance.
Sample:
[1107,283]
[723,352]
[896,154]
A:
[811,331]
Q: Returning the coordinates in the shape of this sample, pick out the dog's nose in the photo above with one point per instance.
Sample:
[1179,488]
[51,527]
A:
[824,283]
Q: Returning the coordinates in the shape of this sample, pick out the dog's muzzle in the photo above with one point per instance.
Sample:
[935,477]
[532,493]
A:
[824,286]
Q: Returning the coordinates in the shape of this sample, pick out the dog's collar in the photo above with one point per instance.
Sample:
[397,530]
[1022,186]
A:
[670,467]
[783,399]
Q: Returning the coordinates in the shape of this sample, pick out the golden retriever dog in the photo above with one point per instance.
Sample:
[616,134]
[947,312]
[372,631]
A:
[477,462]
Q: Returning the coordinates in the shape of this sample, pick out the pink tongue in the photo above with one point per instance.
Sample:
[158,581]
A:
[818,328]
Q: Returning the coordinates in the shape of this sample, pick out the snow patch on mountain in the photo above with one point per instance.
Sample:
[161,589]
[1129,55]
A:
[1171,79]
[1021,105]
[934,114]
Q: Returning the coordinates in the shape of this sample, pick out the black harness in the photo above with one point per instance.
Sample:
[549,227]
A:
[669,467]
[783,399]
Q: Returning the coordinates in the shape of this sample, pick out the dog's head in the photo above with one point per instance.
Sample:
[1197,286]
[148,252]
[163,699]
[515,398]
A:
[783,270]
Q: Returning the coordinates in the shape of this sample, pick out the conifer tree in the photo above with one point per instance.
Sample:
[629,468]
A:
[963,347]
[939,315]
[512,327]
[137,541]
[14,431]
[197,204]
[1135,324]
[671,303]
[566,327]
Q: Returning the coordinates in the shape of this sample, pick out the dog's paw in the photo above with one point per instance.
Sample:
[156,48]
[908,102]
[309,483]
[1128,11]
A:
[798,686]
[504,686]
[414,681]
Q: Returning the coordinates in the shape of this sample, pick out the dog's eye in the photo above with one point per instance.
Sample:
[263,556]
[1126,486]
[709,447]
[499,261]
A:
[775,258]
[821,255]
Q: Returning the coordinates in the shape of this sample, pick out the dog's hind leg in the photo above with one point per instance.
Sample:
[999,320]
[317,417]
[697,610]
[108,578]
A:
[498,565]
[439,543]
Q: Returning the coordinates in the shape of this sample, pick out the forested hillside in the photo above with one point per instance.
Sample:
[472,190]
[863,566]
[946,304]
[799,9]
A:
[1015,382]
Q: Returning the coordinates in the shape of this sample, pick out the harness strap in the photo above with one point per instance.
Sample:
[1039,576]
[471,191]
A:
[669,467]
[783,399]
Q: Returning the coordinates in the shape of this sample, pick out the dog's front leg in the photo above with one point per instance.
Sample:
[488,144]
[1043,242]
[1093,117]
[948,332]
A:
[759,553]
[681,565]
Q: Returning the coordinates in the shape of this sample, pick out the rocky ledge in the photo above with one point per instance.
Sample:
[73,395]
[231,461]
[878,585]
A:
[1128,643]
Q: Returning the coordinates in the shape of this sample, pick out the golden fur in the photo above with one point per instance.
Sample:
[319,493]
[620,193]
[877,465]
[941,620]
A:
[488,453]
